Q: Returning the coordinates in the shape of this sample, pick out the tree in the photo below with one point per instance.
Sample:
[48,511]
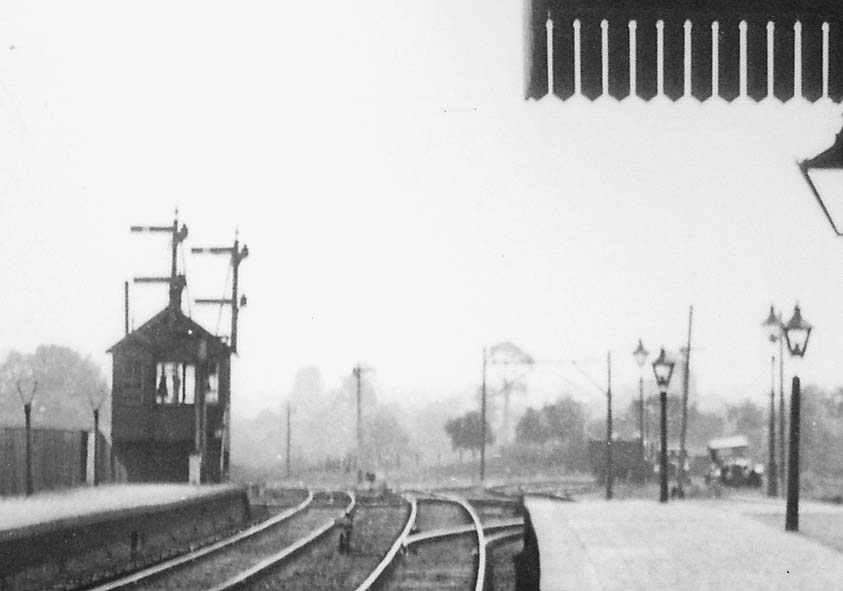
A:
[749,419]
[454,429]
[385,436]
[68,385]
[702,425]
[532,428]
[466,433]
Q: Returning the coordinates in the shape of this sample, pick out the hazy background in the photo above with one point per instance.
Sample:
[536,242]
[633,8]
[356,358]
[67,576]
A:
[402,203]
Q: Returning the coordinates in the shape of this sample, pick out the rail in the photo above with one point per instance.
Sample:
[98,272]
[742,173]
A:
[515,524]
[480,581]
[400,541]
[204,551]
[247,575]
[500,536]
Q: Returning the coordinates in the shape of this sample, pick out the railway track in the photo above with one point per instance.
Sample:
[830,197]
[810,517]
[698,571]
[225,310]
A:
[381,523]
[448,546]
[224,560]
[437,542]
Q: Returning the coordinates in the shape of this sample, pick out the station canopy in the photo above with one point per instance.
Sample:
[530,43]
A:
[680,48]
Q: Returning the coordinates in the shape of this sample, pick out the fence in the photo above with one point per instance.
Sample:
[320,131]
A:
[60,459]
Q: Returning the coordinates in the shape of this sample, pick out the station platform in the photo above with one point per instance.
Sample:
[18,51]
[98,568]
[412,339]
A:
[76,537]
[630,545]
[47,507]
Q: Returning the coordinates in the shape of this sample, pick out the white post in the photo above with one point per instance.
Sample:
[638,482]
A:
[797,59]
[687,58]
[715,59]
[577,59]
[771,58]
[633,85]
[742,65]
[604,52]
[659,58]
[548,25]
[825,60]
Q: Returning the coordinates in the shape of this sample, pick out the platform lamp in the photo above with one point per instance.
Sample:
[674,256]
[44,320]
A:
[640,355]
[830,159]
[796,334]
[27,395]
[663,370]
[773,328]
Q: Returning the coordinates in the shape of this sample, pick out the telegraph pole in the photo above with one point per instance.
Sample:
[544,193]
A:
[772,468]
[483,421]
[357,371]
[126,306]
[289,438]
[680,471]
[609,464]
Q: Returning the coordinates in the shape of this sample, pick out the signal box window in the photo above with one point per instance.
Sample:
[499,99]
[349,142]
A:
[212,394]
[174,383]
[132,381]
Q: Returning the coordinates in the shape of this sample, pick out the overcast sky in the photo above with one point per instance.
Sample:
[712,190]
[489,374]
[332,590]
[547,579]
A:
[402,203]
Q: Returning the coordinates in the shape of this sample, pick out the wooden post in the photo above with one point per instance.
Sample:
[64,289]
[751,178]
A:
[96,446]
[27,411]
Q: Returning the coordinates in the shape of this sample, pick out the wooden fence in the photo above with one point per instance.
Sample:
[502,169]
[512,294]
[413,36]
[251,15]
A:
[60,459]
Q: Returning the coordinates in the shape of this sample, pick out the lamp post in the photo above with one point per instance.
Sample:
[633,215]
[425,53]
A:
[773,327]
[27,395]
[640,354]
[663,370]
[796,334]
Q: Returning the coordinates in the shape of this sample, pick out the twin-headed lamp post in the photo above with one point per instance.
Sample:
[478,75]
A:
[663,370]
[773,329]
[640,354]
[796,334]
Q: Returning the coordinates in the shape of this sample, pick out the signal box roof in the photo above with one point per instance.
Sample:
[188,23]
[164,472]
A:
[173,336]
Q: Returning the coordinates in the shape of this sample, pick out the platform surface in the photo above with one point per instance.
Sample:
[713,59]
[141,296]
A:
[690,545]
[18,512]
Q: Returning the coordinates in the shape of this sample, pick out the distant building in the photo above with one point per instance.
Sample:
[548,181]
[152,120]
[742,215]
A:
[170,399]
